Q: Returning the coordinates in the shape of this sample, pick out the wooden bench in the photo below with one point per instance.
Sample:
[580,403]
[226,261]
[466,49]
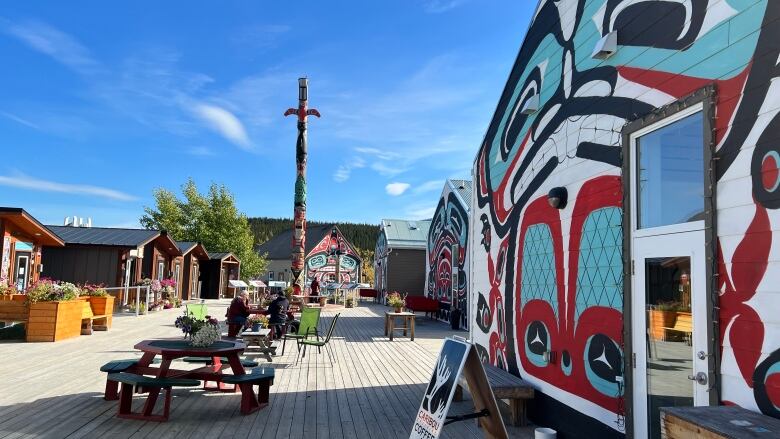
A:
[116,366]
[683,324]
[88,319]
[129,381]
[210,361]
[263,378]
[505,387]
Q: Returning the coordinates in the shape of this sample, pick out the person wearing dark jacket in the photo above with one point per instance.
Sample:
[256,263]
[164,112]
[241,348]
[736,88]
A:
[237,314]
[277,314]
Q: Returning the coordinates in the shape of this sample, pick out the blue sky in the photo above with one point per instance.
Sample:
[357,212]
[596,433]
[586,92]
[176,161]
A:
[103,102]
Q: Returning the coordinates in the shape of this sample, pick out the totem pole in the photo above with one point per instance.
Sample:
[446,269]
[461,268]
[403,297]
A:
[299,214]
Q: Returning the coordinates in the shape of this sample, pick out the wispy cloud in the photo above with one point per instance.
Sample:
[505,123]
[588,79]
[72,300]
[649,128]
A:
[388,169]
[429,186]
[56,44]
[439,6]
[421,212]
[396,189]
[20,120]
[200,151]
[344,171]
[26,182]
[224,123]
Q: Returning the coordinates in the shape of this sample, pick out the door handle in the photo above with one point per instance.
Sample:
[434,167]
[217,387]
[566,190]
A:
[700,378]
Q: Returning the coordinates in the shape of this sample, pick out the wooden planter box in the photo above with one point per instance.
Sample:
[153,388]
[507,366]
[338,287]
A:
[660,320]
[13,311]
[19,297]
[103,306]
[54,321]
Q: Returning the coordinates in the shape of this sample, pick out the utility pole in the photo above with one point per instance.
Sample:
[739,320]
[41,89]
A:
[299,212]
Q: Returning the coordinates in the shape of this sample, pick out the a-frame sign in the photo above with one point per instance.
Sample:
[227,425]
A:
[457,357]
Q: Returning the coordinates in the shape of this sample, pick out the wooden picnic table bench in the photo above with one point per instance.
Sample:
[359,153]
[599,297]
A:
[683,324]
[88,321]
[508,387]
[130,381]
[263,378]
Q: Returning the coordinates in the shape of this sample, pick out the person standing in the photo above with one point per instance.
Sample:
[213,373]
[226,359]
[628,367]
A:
[315,290]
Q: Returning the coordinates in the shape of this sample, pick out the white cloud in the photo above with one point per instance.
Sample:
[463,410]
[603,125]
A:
[388,170]
[56,44]
[439,6]
[396,189]
[429,186]
[378,153]
[224,123]
[344,171]
[26,182]
[20,120]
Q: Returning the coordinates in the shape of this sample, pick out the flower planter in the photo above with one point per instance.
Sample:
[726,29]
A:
[13,311]
[323,301]
[19,297]
[659,320]
[399,309]
[54,321]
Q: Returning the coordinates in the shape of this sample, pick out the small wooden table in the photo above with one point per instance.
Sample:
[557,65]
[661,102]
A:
[408,319]
[716,422]
[262,340]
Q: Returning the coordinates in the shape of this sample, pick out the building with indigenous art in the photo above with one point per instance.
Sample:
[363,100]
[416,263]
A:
[399,257]
[323,242]
[446,255]
[624,213]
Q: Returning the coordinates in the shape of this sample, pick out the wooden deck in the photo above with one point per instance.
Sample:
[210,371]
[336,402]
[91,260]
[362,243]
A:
[374,391]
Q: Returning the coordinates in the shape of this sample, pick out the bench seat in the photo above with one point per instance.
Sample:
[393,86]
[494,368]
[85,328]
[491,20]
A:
[262,377]
[116,366]
[505,386]
[683,324]
[130,381]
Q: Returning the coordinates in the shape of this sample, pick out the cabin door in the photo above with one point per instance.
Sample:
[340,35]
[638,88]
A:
[22,270]
[669,294]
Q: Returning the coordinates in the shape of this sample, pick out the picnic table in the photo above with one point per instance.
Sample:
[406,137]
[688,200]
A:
[220,355]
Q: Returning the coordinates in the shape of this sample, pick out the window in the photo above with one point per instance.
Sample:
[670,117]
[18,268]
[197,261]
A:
[270,275]
[670,178]
[160,270]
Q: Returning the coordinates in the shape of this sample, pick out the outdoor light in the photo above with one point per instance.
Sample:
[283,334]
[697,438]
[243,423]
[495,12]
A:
[606,46]
[557,197]
[303,89]
[531,106]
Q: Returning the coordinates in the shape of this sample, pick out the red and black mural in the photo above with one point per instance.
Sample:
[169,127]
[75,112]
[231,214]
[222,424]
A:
[447,256]
[546,279]
[322,260]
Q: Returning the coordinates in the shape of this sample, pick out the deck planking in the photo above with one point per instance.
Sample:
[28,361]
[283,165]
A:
[373,390]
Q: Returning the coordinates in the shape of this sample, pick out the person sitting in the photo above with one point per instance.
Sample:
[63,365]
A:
[237,314]
[277,314]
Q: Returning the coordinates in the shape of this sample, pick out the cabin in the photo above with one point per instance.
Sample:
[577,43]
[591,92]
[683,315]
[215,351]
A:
[23,240]
[324,242]
[216,273]
[625,207]
[399,257]
[112,257]
[193,254]
[446,253]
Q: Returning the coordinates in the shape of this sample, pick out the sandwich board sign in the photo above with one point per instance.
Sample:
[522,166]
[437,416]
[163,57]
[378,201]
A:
[457,357]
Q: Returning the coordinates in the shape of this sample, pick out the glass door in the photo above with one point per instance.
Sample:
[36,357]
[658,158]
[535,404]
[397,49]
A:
[669,298]
[669,320]
[22,270]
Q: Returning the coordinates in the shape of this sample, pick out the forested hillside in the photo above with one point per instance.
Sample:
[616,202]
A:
[362,236]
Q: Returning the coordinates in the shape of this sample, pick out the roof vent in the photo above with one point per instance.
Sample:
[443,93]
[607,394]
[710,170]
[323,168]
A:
[412,225]
[77,222]
[606,46]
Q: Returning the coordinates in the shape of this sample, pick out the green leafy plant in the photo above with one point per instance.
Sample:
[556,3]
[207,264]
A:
[350,302]
[395,300]
[46,290]
[288,293]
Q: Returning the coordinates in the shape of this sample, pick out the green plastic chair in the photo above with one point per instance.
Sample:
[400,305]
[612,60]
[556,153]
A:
[310,318]
[319,343]
[197,310]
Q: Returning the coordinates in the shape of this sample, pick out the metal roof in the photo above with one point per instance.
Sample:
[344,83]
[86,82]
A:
[280,246]
[221,255]
[463,188]
[406,233]
[186,246]
[104,236]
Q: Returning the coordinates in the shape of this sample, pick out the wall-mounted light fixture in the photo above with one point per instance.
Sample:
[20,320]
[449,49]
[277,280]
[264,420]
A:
[531,105]
[606,47]
[557,197]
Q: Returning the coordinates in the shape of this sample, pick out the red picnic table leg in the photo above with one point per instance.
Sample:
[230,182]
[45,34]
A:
[216,366]
[249,401]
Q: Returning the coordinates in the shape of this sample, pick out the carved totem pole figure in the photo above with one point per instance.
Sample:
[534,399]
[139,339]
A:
[299,214]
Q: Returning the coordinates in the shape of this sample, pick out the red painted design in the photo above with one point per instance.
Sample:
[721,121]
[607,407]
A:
[728,91]
[566,333]
[769,172]
[748,266]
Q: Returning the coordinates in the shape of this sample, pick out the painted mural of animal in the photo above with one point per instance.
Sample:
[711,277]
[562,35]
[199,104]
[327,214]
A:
[545,278]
